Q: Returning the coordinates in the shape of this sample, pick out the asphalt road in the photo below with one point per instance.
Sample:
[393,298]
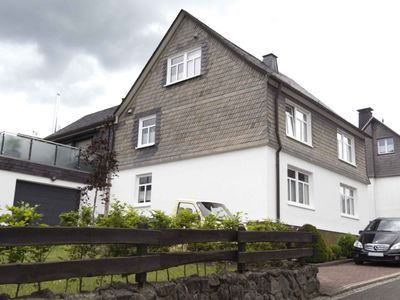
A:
[388,290]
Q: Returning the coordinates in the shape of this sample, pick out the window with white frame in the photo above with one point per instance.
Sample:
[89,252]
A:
[346,148]
[347,196]
[184,66]
[298,187]
[144,189]
[147,131]
[298,123]
[385,146]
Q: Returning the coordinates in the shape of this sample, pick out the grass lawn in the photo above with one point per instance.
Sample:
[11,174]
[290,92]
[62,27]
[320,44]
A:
[90,283]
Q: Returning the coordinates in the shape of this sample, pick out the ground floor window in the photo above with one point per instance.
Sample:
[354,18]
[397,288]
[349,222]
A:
[298,187]
[347,196]
[144,188]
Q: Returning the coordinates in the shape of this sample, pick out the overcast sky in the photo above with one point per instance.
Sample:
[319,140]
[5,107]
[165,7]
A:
[346,53]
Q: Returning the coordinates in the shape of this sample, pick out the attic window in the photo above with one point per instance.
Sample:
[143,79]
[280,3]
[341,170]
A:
[184,66]
[385,146]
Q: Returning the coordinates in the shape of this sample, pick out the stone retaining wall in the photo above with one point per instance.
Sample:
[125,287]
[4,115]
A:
[299,283]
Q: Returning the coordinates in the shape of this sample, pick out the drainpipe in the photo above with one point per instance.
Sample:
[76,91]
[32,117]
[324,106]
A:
[277,154]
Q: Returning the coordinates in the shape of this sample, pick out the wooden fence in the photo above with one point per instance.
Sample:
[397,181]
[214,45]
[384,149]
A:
[143,262]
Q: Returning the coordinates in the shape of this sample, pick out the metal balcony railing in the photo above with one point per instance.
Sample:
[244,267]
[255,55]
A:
[40,151]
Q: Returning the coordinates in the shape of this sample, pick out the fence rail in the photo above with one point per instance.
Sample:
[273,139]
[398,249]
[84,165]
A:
[142,239]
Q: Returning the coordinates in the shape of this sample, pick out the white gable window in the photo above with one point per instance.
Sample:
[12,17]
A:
[385,146]
[298,187]
[298,124]
[144,189]
[184,66]
[347,196]
[147,131]
[346,148]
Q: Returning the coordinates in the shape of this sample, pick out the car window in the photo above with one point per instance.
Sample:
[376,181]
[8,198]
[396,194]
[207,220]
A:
[384,225]
[186,206]
[216,209]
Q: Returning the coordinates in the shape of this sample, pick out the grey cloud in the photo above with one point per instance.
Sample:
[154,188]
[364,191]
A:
[115,33]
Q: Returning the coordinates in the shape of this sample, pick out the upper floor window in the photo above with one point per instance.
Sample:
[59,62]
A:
[147,131]
[347,195]
[184,66]
[298,124]
[144,189]
[385,146]
[298,187]
[346,148]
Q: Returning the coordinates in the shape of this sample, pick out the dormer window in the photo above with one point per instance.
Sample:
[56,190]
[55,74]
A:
[184,66]
[147,131]
[385,146]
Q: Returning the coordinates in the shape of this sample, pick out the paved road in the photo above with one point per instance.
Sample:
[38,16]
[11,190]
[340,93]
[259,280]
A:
[339,278]
[388,290]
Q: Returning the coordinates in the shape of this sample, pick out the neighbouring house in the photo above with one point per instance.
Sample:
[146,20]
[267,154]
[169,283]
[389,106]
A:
[383,163]
[207,120]
[40,173]
[81,132]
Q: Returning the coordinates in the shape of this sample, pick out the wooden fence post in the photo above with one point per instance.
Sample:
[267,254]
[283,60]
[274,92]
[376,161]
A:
[241,267]
[141,278]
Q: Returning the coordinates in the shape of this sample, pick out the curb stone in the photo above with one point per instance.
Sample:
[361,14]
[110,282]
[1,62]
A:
[334,262]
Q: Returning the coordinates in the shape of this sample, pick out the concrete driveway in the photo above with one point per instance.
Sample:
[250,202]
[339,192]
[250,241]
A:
[336,279]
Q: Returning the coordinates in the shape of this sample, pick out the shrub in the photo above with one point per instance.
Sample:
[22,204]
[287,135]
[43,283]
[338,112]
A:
[266,225]
[186,219]
[336,251]
[322,253]
[346,244]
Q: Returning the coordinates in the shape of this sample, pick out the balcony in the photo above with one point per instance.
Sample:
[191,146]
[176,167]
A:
[40,151]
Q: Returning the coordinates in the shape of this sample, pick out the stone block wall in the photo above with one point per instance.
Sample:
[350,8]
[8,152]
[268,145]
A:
[298,283]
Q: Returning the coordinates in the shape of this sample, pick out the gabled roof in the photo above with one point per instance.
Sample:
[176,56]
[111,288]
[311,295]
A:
[247,57]
[84,124]
[373,119]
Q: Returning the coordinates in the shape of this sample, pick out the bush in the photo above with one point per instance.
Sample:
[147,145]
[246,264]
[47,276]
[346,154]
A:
[322,251]
[266,225]
[346,244]
[336,251]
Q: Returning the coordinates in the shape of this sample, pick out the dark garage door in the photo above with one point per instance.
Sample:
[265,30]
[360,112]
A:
[52,200]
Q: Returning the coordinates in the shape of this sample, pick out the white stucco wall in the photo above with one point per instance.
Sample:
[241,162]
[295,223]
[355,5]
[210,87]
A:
[9,179]
[325,212]
[243,180]
[387,196]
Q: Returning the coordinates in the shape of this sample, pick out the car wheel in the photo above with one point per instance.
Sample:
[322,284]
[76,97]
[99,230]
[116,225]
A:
[358,261]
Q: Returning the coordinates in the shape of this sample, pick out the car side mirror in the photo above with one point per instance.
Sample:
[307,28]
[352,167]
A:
[361,231]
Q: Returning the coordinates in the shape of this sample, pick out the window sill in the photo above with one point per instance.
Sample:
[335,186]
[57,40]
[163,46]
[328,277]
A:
[142,205]
[386,153]
[145,146]
[350,217]
[172,83]
[349,163]
[300,141]
[301,206]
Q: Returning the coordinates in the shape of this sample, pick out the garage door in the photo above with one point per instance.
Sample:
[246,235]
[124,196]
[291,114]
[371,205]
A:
[52,200]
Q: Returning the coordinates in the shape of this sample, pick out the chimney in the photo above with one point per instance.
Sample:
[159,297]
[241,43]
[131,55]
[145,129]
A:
[270,61]
[364,115]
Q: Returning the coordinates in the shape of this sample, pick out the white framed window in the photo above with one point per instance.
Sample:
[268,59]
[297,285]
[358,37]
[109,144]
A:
[346,148]
[298,123]
[347,197]
[144,188]
[385,146]
[298,187]
[184,66]
[147,131]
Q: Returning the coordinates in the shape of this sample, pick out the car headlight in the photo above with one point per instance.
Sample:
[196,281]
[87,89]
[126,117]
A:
[395,247]
[357,244]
